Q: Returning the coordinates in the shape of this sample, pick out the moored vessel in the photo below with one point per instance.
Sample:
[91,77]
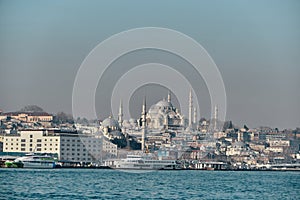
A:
[145,162]
[35,161]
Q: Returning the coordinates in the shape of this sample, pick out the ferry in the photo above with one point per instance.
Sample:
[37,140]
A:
[140,162]
[35,161]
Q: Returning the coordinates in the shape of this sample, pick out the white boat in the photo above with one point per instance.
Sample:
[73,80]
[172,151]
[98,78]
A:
[137,162]
[36,161]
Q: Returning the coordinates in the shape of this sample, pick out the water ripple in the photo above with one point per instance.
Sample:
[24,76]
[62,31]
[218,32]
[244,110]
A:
[110,184]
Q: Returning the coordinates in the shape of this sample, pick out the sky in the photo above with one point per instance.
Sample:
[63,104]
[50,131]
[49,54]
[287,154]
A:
[255,45]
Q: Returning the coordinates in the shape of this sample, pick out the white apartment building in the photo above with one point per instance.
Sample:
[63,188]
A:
[69,146]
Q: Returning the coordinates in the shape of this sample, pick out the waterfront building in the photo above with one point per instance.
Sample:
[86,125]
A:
[69,146]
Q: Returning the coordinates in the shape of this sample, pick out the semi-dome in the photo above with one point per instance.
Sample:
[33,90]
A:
[132,121]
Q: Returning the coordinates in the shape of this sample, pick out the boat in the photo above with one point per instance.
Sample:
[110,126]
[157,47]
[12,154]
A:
[35,161]
[8,161]
[144,162]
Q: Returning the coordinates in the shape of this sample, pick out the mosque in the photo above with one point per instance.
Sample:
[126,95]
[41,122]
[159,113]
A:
[161,117]
[111,129]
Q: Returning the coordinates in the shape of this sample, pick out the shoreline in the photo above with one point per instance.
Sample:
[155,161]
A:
[110,168]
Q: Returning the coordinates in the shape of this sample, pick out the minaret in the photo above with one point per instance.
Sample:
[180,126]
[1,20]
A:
[195,116]
[120,115]
[215,117]
[190,109]
[143,124]
[169,96]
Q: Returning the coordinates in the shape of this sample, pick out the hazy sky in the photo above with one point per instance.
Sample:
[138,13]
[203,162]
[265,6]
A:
[255,44]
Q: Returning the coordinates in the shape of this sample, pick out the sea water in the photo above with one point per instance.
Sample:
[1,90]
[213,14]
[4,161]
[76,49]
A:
[113,184]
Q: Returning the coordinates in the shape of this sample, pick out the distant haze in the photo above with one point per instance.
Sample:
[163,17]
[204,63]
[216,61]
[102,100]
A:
[255,44]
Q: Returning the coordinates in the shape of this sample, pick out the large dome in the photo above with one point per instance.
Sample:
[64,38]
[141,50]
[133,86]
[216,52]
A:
[162,106]
[164,103]
[110,122]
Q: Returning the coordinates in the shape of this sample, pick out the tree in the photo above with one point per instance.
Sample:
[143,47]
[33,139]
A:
[62,118]
[83,121]
[32,108]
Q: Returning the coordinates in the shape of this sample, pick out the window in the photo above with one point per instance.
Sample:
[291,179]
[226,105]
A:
[56,140]
[39,145]
[30,145]
[38,140]
[23,145]
[45,149]
[45,140]
[30,149]
[38,149]
[30,140]
[30,136]
[50,149]
[23,140]
[22,149]
[12,139]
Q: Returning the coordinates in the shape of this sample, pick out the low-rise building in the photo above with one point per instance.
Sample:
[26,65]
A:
[279,143]
[30,117]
